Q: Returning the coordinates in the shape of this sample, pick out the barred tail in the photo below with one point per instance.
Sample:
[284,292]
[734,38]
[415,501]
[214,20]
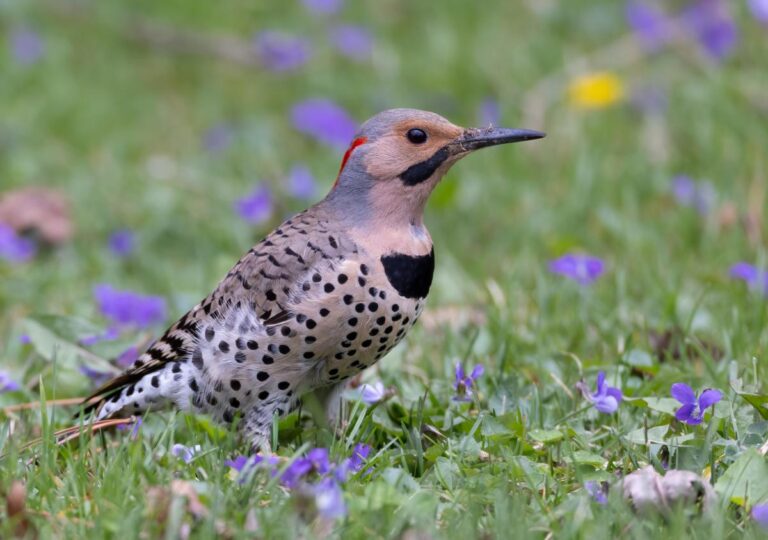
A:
[151,391]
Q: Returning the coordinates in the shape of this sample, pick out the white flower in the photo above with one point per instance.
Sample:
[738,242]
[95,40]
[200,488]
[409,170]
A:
[372,393]
[185,453]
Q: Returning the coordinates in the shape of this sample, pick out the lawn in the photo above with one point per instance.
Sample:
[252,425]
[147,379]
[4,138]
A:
[629,242]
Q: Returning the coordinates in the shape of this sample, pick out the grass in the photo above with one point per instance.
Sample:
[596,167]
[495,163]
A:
[116,123]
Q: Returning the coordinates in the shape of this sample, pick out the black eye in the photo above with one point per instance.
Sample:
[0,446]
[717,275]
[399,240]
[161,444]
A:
[416,136]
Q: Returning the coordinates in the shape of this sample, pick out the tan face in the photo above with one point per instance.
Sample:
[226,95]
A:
[407,144]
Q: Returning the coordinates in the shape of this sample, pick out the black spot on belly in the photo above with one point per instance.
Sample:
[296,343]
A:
[410,275]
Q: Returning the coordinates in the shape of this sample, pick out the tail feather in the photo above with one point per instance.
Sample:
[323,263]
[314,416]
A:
[175,345]
[135,394]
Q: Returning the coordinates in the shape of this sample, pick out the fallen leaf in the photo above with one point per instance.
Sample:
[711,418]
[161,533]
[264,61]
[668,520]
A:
[648,491]
[42,211]
[187,489]
[16,508]
[673,344]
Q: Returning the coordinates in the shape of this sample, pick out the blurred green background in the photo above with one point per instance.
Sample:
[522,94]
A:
[157,117]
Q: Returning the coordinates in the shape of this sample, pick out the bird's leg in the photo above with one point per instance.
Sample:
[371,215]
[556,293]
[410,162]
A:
[256,425]
[254,430]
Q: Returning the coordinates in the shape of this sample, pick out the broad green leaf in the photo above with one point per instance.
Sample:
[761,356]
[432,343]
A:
[640,359]
[746,479]
[546,436]
[663,405]
[50,344]
[658,435]
[448,472]
[492,427]
[400,479]
[433,452]
[582,457]
[652,435]
[758,401]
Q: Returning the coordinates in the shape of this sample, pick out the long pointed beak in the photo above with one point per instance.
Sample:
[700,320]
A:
[475,138]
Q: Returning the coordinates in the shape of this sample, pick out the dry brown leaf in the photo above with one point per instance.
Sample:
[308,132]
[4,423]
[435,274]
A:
[159,499]
[647,490]
[40,210]
[672,344]
[16,508]
[186,489]
[251,521]
[727,215]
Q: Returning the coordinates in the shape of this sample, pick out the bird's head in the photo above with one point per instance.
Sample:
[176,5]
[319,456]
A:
[398,157]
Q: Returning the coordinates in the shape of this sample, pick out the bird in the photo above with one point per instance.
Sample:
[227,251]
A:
[321,298]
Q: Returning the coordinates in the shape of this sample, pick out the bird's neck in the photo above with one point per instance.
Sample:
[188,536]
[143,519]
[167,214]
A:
[381,220]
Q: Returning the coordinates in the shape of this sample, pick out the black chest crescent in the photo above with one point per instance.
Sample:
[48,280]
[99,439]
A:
[410,275]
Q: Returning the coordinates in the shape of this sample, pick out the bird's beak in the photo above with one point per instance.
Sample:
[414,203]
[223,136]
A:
[474,138]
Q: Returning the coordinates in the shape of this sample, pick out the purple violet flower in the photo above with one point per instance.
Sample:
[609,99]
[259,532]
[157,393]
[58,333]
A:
[89,341]
[301,183]
[371,394]
[218,138]
[122,242]
[352,41]
[133,427]
[246,463]
[489,112]
[325,121]
[759,10]
[24,339]
[7,384]
[652,26]
[712,25]
[760,514]
[595,489]
[108,335]
[584,269]
[129,309]
[463,383]
[185,453]
[692,410]
[360,454]
[329,499]
[127,357]
[15,248]
[353,463]
[296,470]
[26,46]
[318,457]
[605,398]
[755,278]
[257,206]
[240,462]
[98,377]
[323,7]
[692,193]
[281,52]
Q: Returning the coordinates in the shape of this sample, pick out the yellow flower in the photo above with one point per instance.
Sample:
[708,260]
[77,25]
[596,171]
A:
[596,90]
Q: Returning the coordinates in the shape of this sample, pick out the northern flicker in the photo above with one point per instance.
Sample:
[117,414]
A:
[324,296]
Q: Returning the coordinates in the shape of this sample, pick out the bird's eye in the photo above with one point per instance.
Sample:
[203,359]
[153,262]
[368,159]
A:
[416,136]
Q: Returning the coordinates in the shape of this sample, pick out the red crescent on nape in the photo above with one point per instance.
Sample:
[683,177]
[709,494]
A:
[357,142]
